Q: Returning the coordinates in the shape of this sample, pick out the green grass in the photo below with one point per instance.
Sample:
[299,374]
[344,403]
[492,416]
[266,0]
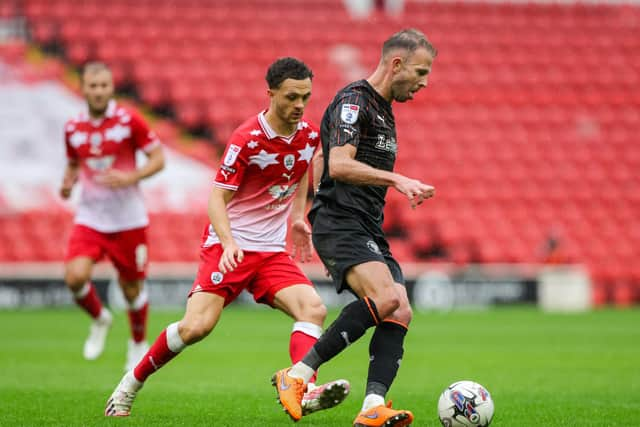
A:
[542,369]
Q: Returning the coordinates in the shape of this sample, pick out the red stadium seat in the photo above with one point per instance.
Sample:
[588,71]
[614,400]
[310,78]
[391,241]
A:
[531,139]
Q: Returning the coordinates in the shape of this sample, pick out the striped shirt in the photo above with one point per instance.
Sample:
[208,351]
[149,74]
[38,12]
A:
[359,116]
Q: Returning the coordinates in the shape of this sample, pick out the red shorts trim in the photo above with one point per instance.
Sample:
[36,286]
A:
[262,274]
[127,249]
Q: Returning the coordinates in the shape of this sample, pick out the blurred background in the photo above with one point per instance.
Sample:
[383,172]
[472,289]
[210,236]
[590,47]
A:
[528,129]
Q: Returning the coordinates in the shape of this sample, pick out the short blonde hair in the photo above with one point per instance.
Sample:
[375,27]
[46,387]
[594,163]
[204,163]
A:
[408,39]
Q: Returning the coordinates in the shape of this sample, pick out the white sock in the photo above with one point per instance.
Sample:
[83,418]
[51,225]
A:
[371,401]
[174,342]
[104,316]
[300,370]
[308,328]
[131,383]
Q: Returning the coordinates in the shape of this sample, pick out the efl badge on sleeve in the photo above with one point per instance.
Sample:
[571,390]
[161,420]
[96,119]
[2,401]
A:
[232,154]
[349,113]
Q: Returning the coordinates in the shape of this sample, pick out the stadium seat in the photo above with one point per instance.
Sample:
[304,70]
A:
[518,134]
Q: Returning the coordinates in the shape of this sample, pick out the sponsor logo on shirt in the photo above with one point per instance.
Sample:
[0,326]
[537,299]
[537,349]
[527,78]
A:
[282,192]
[386,144]
[225,171]
[349,113]
[100,163]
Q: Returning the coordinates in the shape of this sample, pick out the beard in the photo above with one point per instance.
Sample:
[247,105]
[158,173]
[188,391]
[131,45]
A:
[98,110]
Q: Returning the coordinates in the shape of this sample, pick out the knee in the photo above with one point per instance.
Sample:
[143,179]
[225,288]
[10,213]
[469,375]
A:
[403,313]
[313,310]
[318,312]
[75,278]
[130,290]
[387,302]
[194,330]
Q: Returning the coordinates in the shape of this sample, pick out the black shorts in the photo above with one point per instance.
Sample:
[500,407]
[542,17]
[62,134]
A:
[343,242]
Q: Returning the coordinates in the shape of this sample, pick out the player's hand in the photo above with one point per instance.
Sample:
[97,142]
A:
[114,178]
[301,237]
[65,191]
[232,255]
[416,191]
[66,187]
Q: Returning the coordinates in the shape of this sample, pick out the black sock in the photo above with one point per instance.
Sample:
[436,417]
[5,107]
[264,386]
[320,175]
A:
[385,353]
[351,324]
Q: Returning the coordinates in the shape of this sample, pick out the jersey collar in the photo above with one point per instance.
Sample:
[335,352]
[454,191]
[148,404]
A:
[109,113]
[270,133]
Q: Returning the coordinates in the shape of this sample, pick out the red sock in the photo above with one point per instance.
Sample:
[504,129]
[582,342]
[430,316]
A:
[157,356]
[90,302]
[299,344]
[138,322]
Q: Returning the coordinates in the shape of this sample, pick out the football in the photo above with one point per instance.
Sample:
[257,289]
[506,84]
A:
[465,403]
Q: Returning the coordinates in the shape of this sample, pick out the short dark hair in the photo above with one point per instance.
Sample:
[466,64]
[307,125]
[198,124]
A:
[93,67]
[408,39]
[287,68]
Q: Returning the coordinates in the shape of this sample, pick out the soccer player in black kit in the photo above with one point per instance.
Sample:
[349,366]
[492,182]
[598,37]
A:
[359,149]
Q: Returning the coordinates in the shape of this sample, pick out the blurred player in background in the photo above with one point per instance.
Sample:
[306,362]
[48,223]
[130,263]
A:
[111,218]
[359,148]
[262,181]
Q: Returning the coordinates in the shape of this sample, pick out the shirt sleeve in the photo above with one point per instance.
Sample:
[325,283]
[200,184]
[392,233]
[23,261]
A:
[143,137]
[347,120]
[233,166]
[72,154]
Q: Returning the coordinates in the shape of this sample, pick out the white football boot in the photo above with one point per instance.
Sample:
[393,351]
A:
[94,345]
[120,401]
[324,396]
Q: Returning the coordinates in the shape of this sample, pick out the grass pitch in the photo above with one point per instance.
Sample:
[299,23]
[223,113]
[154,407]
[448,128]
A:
[541,369]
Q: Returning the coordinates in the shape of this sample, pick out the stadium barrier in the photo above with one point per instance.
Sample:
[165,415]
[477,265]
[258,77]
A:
[439,287]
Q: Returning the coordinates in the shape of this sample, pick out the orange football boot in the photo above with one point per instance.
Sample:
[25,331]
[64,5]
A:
[383,416]
[290,392]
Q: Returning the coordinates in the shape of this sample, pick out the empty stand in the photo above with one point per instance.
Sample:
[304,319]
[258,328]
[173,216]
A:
[529,125]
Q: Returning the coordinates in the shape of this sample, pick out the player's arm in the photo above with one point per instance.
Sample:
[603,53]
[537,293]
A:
[217,211]
[318,167]
[116,178]
[70,177]
[300,231]
[154,164]
[344,167]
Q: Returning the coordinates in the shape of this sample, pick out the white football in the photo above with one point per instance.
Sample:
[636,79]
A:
[465,404]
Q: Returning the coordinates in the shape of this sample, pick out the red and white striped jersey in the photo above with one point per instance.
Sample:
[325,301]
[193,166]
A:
[100,145]
[264,169]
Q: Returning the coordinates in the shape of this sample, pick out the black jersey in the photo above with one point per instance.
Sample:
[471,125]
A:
[359,116]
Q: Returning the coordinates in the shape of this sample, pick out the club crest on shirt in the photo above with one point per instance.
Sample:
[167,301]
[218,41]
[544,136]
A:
[95,139]
[349,113]
[232,154]
[216,277]
[289,160]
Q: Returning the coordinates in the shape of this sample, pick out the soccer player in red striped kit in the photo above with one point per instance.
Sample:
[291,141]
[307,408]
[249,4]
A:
[261,184]
[111,218]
